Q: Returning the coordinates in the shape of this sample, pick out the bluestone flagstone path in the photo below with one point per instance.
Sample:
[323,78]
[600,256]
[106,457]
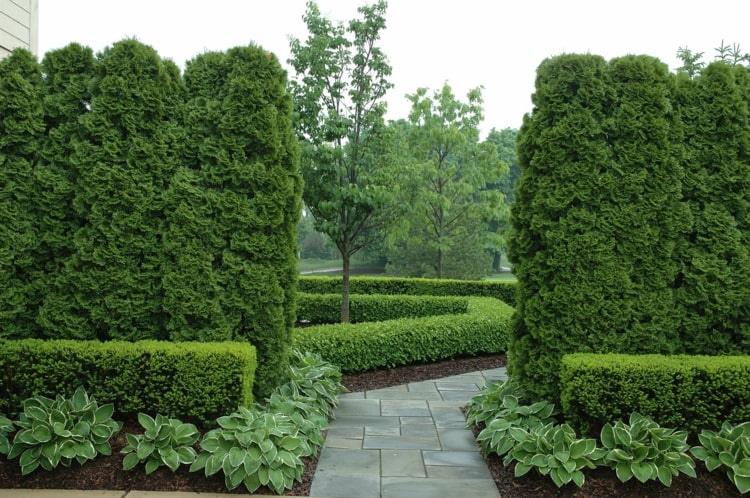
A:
[407,441]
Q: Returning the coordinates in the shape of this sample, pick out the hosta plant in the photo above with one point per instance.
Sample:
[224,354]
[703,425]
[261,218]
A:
[58,431]
[554,451]
[488,403]
[314,378]
[497,436]
[729,449]
[6,428]
[306,416]
[646,451]
[165,441]
[254,448]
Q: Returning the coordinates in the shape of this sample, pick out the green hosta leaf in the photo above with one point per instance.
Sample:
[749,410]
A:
[578,478]
[623,471]
[713,463]
[521,469]
[152,464]
[146,422]
[742,483]
[200,461]
[41,433]
[130,461]
[103,413]
[608,436]
[726,458]
[171,459]
[641,471]
[664,475]
[145,448]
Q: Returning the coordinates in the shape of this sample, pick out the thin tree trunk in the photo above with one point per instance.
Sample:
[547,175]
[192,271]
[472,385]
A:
[440,264]
[345,291]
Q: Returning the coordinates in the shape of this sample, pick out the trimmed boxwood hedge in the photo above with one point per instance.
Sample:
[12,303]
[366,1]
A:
[504,291]
[484,328]
[688,392]
[326,308]
[198,381]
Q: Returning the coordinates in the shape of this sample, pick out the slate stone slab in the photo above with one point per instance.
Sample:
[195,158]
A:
[404,407]
[455,458]
[401,443]
[345,486]
[411,487]
[457,440]
[402,463]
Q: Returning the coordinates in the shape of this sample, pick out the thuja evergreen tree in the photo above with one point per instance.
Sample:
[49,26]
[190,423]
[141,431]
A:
[67,93]
[237,202]
[21,129]
[597,216]
[124,164]
[713,286]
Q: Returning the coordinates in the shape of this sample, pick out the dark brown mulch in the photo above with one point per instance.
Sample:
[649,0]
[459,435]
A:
[105,472]
[376,379]
[603,483]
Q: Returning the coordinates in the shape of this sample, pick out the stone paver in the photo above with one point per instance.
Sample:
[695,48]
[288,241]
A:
[403,407]
[402,463]
[406,441]
[411,487]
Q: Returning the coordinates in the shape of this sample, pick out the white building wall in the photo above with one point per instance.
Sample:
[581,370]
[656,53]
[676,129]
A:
[19,20]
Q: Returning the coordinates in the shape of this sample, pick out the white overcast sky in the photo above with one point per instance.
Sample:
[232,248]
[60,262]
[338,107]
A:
[497,44]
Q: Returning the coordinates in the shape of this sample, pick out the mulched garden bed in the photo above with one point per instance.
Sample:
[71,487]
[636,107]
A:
[602,483]
[387,377]
[105,472]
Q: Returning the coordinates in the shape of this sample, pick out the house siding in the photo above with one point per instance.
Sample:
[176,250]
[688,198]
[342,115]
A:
[19,20]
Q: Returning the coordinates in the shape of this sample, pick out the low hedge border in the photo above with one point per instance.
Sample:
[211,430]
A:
[484,328]
[189,380]
[326,308]
[687,392]
[504,291]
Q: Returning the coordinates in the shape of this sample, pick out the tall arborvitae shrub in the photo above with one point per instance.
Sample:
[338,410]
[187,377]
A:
[597,216]
[233,209]
[21,131]
[67,94]
[713,287]
[124,165]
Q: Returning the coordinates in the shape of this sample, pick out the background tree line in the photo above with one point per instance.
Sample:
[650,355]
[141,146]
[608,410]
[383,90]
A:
[424,193]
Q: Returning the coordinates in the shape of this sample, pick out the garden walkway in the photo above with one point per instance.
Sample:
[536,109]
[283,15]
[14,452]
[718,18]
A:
[407,441]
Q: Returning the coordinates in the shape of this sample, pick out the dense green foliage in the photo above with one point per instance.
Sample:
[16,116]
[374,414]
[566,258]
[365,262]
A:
[6,428]
[21,131]
[123,164]
[504,291]
[325,308]
[483,328]
[597,216]
[646,451]
[445,203]
[58,431]
[68,73]
[342,76]
[264,446]
[687,392]
[165,441]
[728,449]
[233,208]
[140,204]
[193,380]
[712,290]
